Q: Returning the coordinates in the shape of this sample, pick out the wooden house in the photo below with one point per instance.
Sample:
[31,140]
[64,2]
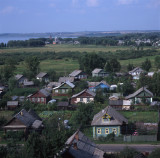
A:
[40,97]
[108,121]
[120,104]
[11,105]
[21,79]
[53,84]
[63,89]
[135,73]
[94,86]
[80,146]
[43,76]
[78,75]
[141,96]
[99,73]
[85,96]
[24,121]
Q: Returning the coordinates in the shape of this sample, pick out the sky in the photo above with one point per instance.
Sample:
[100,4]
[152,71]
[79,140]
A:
[40,16]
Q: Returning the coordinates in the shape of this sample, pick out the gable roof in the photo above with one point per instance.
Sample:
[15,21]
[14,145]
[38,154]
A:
[28,83]
[18,76]
[97,70]
[41,74]
[118,118]
[85,90]
[136,69]
[75,73]
[53,84]
[94,84]
[65,79]
[139,91]
[27,118]
[68,83]
[44,92]
[85,147]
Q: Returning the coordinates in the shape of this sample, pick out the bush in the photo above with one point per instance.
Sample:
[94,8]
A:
[128,153]
[109,138]
[15,135]
[155,153]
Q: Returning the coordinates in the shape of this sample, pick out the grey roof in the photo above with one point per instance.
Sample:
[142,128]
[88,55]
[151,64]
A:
[18,76]
[12,103]
[94,84]
[75,73]
[116,117]
[37,124]
[64,103]
[28,83]
[116,102]
[85,90]
[41,74]
[25,117]
[139,91]
[97,70]
[44,92]
[14,98]
[53,84]
[86,148]
[69,83]
[65,79]
[136,69]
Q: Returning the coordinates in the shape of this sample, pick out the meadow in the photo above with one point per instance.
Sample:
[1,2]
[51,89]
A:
[67,47]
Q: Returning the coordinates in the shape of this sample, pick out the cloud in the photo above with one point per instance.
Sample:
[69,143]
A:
[125,2]
[7,10]
[92,3]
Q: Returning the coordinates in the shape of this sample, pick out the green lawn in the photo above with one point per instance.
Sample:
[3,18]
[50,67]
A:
[146,116]
[6,114]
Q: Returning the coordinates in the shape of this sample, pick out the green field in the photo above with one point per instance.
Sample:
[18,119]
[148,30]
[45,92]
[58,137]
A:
[67,47]
[146,116]
[63,67]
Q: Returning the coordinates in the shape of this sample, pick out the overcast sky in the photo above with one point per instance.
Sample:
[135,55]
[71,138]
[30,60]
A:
[32,16]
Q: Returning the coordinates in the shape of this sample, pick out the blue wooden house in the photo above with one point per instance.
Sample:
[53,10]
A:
[108,121]
[94,86]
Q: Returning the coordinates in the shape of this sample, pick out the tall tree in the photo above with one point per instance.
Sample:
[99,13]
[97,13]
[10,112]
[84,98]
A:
[157,62]
[146,65]
[32,64]
[112,65]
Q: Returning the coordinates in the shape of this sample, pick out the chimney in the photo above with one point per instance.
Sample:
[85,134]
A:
[21,113]
[76,136]
[75,146]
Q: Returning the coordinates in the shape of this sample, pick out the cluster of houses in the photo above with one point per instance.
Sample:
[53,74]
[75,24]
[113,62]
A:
[65,87]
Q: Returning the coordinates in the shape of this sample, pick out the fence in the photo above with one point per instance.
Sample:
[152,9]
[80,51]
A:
[140,138]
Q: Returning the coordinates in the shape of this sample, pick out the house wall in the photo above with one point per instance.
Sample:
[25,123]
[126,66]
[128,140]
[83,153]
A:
[103,129]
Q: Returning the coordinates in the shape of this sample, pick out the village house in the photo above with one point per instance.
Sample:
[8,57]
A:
[80,146]
[43,76]
[108,121]
[65,79]
[63,89]
[53,84]
[141,96]
[78,75]
[94,86]
[24,121]
[135,73]
[20,79]
[85,96]
[99,73]
[40,97]
[11,105]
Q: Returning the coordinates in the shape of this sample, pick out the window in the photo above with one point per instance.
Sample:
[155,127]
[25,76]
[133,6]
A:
[63,91]
[33,99]
[42,99]
[88,99]
[114,130]
[56,91]
[81,99]
[39,99]
[98,130]
[106,130]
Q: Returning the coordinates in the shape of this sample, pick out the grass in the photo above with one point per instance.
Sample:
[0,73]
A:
[63,66]
[65,48]
[146,116]
[6,114]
